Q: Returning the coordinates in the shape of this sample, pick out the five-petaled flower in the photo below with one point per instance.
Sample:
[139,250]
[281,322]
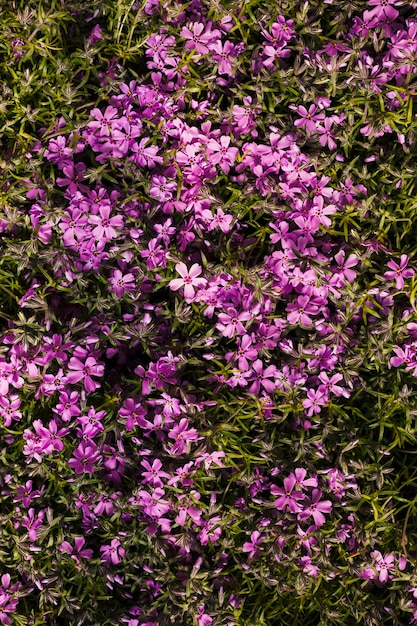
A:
[190,279]
[399,272]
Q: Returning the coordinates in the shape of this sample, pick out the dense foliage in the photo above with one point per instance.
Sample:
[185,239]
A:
[208,342]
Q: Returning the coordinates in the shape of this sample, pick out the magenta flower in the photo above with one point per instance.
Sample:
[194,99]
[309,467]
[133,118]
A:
[78,551]
[104,122]
[84,457]
[384,8]
[57,150]
[198,35]
[203,619]
[84,371]
[187,508]
[220,152]
[153,504]
[301,481]
[326,135]
[308,117]
[223,53]
[344,265]
[145,156]
[8,604]
[24,494]
[183,435]
[230,323]
[316,398]
[120,283]
[112,553]
[9,409]
[161,189]
[104,224]
[330,385]
[31,522]
[399,272]
[261,377]
[189,280]
[299,312]
[153,473]
[252,546]
[209,458]
[289,496]
[316,508]
[382,568]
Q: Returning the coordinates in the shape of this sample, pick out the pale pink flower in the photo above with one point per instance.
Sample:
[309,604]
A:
[189,280]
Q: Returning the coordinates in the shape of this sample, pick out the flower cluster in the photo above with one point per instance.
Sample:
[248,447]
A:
[204,285]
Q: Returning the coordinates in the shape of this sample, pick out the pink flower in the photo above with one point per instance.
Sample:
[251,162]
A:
[223,53]
[84,457]
[112,553]
[7,605]
[221,153]
[288,497]
[326,134]
[57,150]
[189,280]
[120,283]
[84,371]
[399,272]
[104,224]
[252,546]
[202,618]
[183,435]
[198,35]
[104,121]
[230,323]
[186,508]
[31,522]
[161,189]
[298,312]
[316,398]
[330,385]
[308,117]
[78,551]
[383,567]
[316,508]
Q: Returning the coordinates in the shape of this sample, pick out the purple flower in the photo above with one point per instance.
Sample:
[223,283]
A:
[112,553]
[104,121]
[230,323]
[8,604]
[189,280]
[57,150]
[104,224]
[84,371]
[161,189]
[288,497]
[31,522]
[252,546]
[84,457]
[198,35]
[220,152]
[203,619]
[261,377]
[183,435]
[399,272]
[120,283]
[316,508]
[95,35]
[78,551]
[153,473]
[186,508]
[326,135]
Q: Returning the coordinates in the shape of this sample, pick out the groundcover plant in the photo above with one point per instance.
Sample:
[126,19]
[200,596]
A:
[208,336]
